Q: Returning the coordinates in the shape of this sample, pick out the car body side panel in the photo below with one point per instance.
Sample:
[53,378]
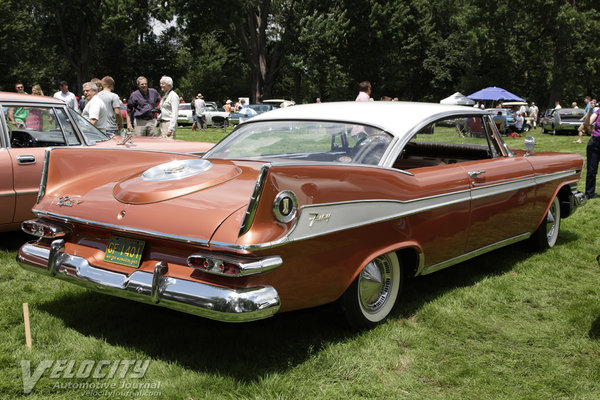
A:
[430,207]
[7,191]
[27,166]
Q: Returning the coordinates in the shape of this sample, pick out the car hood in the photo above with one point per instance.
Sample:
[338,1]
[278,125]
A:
[159,194]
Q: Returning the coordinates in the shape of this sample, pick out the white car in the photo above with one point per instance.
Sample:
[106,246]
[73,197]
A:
[215,117]
[184,116]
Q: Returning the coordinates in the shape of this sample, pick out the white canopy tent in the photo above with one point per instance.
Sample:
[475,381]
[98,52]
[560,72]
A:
[458,99]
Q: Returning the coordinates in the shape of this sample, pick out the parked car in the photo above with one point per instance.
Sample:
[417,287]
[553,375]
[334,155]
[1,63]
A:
[562,120]
[503,118]
[261,108]
[298,207]
[279,103]
[184,115]
[50,123]
[216,117]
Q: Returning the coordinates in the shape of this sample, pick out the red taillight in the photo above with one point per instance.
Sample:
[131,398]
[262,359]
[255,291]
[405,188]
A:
[227,265]
[44,229]
[213,265]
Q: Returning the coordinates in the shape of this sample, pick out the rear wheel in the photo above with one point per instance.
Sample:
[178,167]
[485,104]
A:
[547,233]
[373,294]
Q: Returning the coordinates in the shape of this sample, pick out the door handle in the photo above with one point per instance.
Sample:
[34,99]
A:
[26,159]
[475,174]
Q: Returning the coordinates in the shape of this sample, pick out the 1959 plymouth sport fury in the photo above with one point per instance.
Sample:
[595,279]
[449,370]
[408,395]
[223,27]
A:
[298,207]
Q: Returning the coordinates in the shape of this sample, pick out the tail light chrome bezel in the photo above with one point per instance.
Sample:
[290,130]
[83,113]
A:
[232,266]
[45,229]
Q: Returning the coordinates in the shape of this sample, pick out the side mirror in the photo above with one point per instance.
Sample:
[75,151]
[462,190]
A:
[530,144]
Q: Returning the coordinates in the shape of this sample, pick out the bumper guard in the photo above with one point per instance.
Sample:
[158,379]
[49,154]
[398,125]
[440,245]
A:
[202,299]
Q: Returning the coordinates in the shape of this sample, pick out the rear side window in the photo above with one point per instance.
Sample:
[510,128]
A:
[37,126]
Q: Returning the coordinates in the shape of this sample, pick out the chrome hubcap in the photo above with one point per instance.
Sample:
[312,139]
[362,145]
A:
[551,221]
[375,284]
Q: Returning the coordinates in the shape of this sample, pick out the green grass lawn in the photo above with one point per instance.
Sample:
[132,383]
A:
[507,325]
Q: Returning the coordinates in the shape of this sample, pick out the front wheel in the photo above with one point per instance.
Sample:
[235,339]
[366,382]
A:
[373,293]
[547,234]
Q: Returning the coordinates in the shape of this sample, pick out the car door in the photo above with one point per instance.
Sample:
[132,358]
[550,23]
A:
[502,196]
[45,126]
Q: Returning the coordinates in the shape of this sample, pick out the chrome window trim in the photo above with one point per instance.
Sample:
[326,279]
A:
[394,152]
[379,208]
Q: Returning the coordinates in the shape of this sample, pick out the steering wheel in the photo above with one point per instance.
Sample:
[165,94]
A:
[369,149]
[20,139]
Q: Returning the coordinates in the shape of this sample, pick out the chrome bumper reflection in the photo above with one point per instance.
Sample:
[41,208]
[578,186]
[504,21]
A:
[580,198]
[203,299]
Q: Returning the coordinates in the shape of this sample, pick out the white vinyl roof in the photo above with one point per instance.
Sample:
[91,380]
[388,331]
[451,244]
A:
[396,117]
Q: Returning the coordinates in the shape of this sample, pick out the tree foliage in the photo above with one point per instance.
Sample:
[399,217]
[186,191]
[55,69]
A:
[542,50]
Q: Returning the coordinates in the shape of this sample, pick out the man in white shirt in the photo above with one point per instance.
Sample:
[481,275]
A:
[95,110]
[169,108]
[533,113]
[66,96]
[112,103]
[200,105]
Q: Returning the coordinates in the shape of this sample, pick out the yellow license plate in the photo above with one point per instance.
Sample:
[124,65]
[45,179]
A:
[124,251]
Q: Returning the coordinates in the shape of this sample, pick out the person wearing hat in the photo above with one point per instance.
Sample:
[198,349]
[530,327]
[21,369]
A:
[200,108]
[227,106]
[66,96]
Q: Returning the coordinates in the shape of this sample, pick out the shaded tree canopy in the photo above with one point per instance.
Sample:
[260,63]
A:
[542,50]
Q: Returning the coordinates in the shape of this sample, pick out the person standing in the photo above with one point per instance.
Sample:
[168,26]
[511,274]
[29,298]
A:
[364,93]
[34,119]
[18,115]
[169,108]
[141,108]
[557,105]
[98,84]
[533,113]
[245,111]
[592,157]
[66,96]
[94,110]
[200,109]
[587,114]
[20,88]
[194,116]
[114,120]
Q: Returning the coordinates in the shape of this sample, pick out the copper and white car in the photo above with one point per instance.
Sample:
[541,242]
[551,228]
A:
[42,122]
[298,207]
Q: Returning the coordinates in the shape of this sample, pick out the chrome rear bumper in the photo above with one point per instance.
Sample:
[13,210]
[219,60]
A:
[203,299]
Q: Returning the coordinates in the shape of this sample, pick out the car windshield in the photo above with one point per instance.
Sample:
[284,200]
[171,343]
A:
[305,141]
[89,131]
[571,112]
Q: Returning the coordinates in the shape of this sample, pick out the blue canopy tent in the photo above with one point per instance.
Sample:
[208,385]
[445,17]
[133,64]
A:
[494,94]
